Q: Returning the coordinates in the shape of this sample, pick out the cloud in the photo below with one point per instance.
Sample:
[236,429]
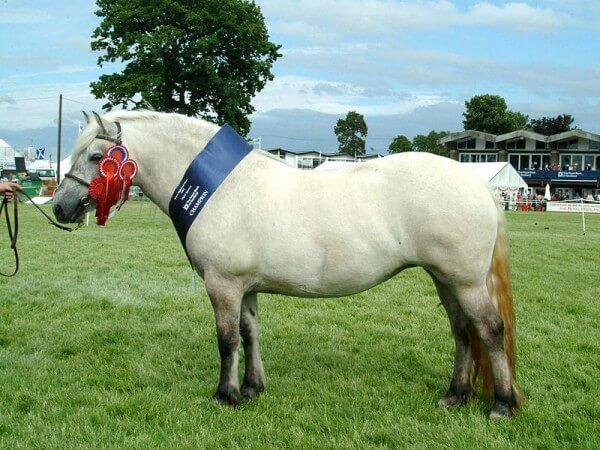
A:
[519,17]
[61,70]
[7,99]
[323,89]
[294,92]
[36,105]
[317,19]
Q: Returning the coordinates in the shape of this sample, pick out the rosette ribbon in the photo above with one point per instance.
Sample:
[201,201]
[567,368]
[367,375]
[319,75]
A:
[112,185]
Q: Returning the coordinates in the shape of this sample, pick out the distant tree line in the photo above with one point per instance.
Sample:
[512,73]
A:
[489,113]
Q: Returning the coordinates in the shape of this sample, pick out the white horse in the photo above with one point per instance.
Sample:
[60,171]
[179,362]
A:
[272,228]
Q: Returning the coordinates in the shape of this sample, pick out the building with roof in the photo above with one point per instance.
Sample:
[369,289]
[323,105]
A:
[569,162]
[311,159]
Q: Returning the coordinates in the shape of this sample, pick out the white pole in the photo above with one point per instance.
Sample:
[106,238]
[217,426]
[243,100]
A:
[582,214]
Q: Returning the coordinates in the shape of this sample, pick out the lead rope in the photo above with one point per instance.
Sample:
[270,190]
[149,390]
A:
[13,236]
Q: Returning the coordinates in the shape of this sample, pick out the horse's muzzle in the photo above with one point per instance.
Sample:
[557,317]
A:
[74,216]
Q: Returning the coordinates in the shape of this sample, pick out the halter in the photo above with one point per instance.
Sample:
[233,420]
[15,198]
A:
[111,186]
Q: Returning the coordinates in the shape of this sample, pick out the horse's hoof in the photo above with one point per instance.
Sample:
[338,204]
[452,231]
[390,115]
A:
[453,399]
[501,411]
[249,392]
[229,397]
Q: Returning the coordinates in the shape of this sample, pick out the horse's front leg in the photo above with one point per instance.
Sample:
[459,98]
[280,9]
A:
[254,376]
[226,303]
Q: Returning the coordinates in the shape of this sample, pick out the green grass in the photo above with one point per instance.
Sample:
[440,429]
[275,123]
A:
[103,344]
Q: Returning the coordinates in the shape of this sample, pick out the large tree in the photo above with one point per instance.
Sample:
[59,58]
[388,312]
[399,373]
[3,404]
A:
[552,125]
[204,58]
[488,113]
[351,133]
[400,144]
[429,142]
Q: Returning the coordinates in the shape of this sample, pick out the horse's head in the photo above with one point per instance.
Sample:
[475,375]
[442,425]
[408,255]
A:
[71,200]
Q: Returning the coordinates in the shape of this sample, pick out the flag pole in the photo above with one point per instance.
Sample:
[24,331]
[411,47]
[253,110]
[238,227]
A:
[59,138]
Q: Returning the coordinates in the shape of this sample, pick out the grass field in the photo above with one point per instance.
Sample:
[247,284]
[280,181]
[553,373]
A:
[103,344]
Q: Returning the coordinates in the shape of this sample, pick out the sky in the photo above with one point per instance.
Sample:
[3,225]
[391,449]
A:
[406,66]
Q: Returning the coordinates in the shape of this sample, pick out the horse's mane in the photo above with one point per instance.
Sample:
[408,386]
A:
[92,130]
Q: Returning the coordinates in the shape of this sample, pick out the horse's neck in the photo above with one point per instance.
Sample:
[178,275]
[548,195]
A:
[163,154]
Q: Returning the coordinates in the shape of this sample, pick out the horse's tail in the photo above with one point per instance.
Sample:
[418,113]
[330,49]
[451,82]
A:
[498,284]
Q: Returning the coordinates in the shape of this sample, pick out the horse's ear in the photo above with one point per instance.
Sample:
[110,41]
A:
[108,128]
[87,117]
[100,122]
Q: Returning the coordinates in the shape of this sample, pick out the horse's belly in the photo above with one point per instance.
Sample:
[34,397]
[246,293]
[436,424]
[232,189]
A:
[330,269]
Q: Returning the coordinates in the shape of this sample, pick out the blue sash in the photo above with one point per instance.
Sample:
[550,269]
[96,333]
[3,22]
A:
[204,176]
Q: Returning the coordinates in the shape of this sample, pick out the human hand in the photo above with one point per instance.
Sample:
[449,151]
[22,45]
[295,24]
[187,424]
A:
[8,188]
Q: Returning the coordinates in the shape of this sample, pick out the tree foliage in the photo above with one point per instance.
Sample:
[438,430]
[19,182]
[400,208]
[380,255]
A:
[351,133]
[488,113]
[400,144]
[552,125]
[429,142]
[204,58]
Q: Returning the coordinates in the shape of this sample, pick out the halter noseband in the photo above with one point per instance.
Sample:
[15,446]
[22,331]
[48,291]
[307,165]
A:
[85,201]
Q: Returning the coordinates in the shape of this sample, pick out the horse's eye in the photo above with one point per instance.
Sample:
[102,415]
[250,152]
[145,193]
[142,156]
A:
[96,157]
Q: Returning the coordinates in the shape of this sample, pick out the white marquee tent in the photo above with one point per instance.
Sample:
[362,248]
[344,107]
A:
[501,176]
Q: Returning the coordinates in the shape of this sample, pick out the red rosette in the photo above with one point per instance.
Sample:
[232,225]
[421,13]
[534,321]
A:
[128,170]
[96,188]
[108,166]
[118,152]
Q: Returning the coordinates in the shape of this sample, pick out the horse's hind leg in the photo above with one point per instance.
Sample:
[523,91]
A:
[461,386]
[254,375]
[489,326]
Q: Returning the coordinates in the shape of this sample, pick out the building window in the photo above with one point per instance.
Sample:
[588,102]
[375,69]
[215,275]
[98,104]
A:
[478,157]
[546,162]
[489,145]
[308,162]
[568,145]
[594,145]
[466,144]
[540,145]
[536,161]
[577,162]
[518,144]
